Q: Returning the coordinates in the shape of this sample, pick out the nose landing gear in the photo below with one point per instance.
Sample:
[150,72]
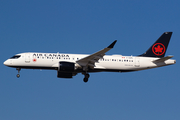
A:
[18,75]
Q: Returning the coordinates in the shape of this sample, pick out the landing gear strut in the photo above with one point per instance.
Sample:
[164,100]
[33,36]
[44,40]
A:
[18,75]
[86,76]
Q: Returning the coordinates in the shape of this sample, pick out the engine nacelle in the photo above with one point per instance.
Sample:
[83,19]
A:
[65,69]
[66,66]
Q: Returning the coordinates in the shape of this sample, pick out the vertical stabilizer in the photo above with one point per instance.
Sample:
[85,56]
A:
[158,49]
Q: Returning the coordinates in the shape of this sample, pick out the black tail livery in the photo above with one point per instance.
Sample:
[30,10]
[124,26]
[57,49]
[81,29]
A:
[158,49]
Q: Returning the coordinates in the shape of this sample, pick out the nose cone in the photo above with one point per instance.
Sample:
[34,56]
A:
[6,62]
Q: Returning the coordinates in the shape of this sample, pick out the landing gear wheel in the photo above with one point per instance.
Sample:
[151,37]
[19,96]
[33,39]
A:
[85,79]
[86,76]
[18,75]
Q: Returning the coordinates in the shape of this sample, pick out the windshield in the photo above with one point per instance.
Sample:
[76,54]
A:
[15,57]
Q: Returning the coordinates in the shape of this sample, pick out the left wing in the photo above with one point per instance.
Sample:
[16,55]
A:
[90,60]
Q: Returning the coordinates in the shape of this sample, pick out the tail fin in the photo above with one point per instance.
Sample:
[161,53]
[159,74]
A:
[158,49]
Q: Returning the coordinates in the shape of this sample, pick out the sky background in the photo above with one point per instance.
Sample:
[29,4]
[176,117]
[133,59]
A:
[85,27]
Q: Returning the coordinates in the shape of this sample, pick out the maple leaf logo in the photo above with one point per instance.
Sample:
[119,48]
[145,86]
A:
[158,49]
[34,60]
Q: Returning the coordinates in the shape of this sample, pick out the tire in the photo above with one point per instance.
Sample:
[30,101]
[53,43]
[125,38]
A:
[85,80]
[18,75]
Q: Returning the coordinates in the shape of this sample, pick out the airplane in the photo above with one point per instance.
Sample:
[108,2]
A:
[69,65]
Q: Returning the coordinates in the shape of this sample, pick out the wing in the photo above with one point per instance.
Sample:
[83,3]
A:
[90,60]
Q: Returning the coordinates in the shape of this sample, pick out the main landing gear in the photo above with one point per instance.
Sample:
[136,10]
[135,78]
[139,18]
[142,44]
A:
[18,75]
[86,76]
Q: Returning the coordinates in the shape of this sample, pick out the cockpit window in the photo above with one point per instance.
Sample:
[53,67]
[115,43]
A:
[15,57]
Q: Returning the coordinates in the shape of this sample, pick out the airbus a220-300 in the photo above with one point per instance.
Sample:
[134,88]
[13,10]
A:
[69,65]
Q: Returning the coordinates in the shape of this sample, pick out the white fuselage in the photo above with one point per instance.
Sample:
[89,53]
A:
[68,65]
[116,63]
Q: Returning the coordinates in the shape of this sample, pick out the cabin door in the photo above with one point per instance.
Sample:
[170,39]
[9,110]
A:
[27,58]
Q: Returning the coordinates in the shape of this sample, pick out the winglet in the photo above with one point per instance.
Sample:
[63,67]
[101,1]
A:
[112,44]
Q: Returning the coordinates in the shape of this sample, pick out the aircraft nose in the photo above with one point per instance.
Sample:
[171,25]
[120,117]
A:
[6,63]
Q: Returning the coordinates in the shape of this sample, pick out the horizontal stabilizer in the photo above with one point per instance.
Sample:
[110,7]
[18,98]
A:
[162,59]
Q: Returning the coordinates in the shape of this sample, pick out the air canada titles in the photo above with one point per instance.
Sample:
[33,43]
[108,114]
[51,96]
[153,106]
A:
[50,55]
